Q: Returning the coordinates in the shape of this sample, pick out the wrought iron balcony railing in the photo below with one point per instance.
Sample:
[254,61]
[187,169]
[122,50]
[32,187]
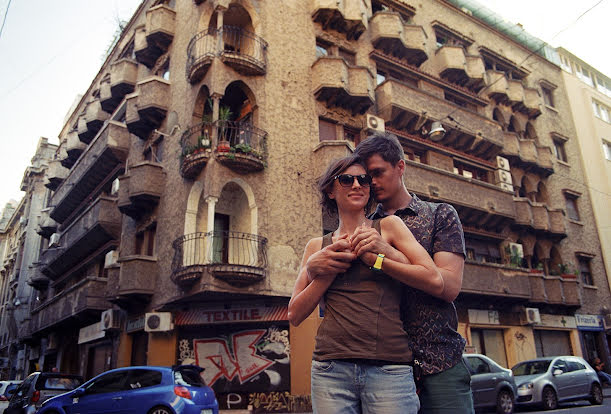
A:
[237,258]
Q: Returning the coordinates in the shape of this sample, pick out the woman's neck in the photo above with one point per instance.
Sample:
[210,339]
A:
[349,221]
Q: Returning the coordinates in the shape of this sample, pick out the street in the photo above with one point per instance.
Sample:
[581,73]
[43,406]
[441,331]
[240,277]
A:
[576,407]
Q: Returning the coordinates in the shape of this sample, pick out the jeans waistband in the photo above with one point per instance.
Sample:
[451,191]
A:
[375,362]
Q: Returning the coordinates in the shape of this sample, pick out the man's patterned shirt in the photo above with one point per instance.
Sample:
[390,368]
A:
[432,323]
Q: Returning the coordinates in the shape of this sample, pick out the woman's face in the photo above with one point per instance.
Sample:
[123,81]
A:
[354,196]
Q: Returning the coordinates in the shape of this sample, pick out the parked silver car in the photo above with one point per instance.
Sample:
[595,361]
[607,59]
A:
[547,381]
[491,384]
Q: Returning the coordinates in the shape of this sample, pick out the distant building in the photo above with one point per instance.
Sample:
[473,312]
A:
[182,189]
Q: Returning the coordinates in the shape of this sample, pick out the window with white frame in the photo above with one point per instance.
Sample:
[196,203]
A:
[565,64]
[603,86]
[584,75]
[607,149]
[601,111]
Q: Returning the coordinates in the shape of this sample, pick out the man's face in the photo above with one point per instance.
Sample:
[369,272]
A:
[386,179]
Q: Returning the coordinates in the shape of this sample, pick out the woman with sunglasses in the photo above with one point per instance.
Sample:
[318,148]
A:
[362,361]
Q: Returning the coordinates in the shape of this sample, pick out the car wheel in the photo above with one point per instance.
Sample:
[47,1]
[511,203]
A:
[504,402]
[160,410]
[596,395]
[550,401]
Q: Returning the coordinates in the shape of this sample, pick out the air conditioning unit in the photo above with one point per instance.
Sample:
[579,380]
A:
[503,176]
[54,240]
[516,249]
[158,322]
[531,316]
[502,163]
[111,319]
[607,321]
[111,258]
[23,220]
[505,186]
[114,189]
[52,341]
[375,123]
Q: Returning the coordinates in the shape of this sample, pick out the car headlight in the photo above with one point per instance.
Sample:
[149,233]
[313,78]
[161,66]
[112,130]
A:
[526,386]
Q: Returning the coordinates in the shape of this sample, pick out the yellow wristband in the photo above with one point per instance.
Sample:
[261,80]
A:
[378,264]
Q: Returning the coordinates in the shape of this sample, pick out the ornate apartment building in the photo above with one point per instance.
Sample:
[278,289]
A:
[183,186]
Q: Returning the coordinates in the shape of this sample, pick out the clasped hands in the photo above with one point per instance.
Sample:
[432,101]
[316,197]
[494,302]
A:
[365,243]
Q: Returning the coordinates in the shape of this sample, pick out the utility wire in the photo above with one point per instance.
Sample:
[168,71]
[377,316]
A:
[4,19]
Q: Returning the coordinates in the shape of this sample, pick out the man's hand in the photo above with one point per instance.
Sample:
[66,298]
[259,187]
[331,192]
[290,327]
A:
[331,260]
[367,243]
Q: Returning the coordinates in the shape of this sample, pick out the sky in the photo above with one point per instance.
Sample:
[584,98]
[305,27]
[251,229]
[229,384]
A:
[51,50]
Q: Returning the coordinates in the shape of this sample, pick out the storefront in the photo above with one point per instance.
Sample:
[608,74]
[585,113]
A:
[245,352]
[96,348]
[593,339]
[556,335]
[487,336]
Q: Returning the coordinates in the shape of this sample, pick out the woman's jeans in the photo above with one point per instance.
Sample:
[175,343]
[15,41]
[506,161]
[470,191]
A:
[340,387]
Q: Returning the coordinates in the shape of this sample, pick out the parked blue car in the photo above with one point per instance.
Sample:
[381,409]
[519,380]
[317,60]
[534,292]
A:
[145,390]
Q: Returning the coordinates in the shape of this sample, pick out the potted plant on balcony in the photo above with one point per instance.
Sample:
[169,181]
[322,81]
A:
[224,115]
[538,269]
[567,271]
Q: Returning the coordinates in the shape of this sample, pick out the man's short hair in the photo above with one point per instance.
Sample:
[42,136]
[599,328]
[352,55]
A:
[383,143]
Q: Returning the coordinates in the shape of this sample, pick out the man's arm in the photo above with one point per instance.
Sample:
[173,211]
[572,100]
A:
[451,266]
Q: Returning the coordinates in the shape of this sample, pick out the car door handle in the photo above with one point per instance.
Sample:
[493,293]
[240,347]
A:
[493,378]
[117,398]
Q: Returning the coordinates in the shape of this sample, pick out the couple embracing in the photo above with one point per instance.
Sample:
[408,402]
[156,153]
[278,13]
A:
[387,282]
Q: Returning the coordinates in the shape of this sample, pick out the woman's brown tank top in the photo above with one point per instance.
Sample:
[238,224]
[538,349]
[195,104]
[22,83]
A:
[361,318]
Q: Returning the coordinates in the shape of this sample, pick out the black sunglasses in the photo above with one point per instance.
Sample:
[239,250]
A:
[346,180]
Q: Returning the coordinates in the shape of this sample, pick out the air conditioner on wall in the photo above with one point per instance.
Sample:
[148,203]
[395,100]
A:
[111,319]
[505,186]
[531,316]
[516,249]
[54,240]
[607,321]
[502,176]
[158,322]
[111,258]
[375,123]
[502,163]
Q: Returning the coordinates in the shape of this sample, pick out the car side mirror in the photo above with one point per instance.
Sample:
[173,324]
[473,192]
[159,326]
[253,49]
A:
[78,392]
[558,372]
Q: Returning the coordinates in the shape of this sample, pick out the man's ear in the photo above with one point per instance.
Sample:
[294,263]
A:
[401,166]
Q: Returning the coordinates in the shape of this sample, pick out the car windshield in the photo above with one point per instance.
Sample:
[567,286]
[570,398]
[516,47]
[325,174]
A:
[531,368]
[188,377]
[61,383]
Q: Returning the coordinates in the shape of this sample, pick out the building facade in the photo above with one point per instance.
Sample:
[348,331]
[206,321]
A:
[589,93]
[182,187]
[21,246]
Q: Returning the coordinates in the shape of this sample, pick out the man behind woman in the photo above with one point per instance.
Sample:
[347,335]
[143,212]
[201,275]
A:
[363,271]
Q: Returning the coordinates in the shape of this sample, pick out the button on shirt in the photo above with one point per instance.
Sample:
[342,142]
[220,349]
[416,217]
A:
[431,323]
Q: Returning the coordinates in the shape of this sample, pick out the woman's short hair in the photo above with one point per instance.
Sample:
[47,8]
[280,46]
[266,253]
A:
[385,144]
[325,182]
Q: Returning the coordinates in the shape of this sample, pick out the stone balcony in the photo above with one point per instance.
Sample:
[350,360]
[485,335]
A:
[83,300]
[476,73]
[515,91]
[94,232]
[341,85]
[137,279]
[496,83]
[122,81]
[345,16]
[141,188]
[531,105]
[74,148]
[147,107]
[528,155]
[480,204]
[241,262]
[46,225]
[37,279]
[392,36]
[450,63]
[539,217]
[554,290]
[495,280]
[55,175]
[103,160]
[401,105]
[91,121]
[154,38]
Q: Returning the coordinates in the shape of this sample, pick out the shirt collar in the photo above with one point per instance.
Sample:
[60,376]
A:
[412,209]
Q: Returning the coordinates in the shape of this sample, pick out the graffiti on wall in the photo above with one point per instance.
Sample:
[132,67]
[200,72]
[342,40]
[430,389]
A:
[240,361]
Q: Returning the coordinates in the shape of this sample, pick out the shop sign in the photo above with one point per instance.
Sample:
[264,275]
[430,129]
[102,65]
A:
[589,322]
[234,315]
[134,324]
[557,321]
[484,317]
[91,333]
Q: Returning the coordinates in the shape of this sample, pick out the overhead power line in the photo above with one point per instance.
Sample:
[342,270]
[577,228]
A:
[4,19]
